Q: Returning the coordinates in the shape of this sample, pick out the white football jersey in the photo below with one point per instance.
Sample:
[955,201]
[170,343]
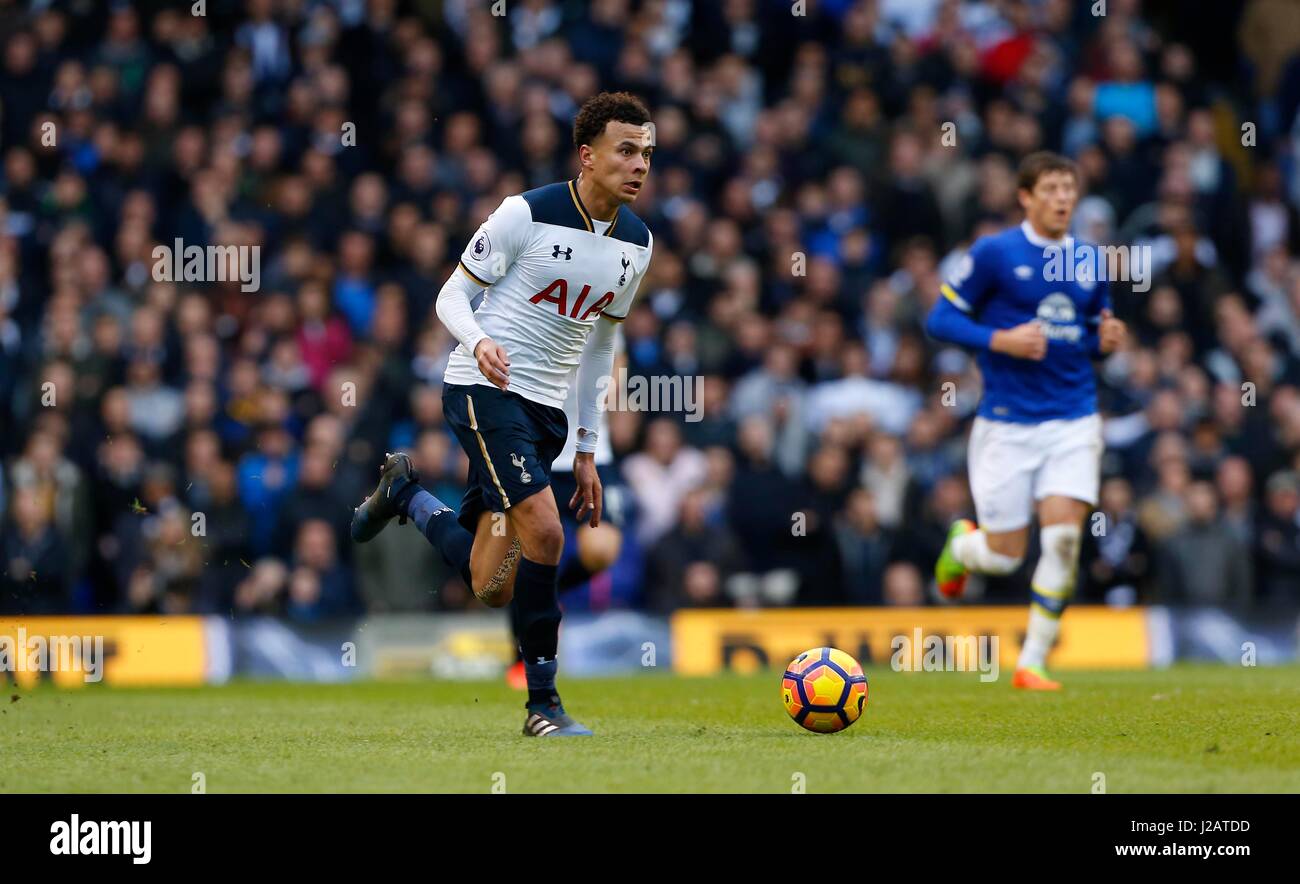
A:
[549,275]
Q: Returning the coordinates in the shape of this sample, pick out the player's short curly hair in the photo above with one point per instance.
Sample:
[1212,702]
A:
[621,107]
[1038,164]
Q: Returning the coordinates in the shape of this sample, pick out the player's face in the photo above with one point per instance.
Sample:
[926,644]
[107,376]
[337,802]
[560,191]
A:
[620,159]
[1051,203]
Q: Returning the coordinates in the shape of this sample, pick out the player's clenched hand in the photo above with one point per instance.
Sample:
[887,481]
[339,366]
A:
[589,491]
[1025,341]
[493,362]
[1111,332]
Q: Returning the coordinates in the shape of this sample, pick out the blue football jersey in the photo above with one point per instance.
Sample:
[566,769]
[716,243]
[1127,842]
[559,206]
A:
[1005,281]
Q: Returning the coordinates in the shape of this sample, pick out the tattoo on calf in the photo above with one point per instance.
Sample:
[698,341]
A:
[496,583]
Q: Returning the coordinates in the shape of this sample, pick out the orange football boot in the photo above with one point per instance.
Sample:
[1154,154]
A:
[1034,678]
[950,574]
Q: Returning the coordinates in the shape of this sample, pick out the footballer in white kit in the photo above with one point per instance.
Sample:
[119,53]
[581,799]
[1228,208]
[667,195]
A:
[1035,447]
[561,265]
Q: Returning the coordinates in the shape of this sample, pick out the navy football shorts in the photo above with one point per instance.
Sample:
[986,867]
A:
[511,442]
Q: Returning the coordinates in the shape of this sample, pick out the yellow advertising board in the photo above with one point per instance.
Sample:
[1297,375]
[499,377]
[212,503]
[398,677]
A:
[710,641]
[71,651]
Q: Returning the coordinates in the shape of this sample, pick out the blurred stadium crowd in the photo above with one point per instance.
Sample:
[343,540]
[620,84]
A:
[806,199]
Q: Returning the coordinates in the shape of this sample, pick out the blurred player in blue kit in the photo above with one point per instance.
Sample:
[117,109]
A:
[1036,445]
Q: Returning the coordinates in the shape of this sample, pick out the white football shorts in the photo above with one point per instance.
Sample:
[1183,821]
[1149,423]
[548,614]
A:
[1012,466]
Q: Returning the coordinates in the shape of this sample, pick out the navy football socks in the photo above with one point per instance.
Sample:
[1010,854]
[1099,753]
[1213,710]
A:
[572,573]
[536,614]
[437,522]
[541,684]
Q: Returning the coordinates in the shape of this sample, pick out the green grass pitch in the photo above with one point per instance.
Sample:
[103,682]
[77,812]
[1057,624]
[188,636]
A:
[1186,729]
